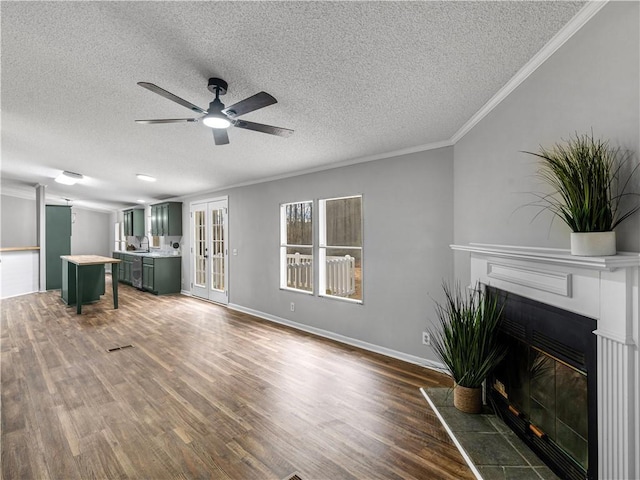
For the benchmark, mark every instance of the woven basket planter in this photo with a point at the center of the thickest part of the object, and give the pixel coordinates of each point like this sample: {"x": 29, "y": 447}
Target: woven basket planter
{"x": 468, "y": 400}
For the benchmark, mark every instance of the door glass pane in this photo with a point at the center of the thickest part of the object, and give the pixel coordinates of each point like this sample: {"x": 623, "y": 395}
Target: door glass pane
{"x": 200, "y": 245}
{"x": 217, "y": 249}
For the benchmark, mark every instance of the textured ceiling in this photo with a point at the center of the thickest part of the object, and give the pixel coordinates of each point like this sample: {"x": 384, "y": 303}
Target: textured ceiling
{"x": 353, "y": 79}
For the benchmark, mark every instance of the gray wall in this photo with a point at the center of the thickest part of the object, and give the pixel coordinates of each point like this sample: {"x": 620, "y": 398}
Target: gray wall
{"x": 18, "y": 222}
{"x": 591, "y": 82}
{"x": 408, "y": 225}
{"x": 91, "y": 232}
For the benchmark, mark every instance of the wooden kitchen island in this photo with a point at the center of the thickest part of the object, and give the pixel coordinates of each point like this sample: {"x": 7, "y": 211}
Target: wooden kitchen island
{"x": 83, "y": 279}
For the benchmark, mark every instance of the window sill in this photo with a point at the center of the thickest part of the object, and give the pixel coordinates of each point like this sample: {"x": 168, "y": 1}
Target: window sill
{"x": 296, "y": 290}
{"x": 342, "y": 299}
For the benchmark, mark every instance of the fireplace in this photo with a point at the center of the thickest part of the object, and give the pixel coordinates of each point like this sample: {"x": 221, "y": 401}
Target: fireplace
{"x": 604, "y": 290}
{"x": 546, "y": 388}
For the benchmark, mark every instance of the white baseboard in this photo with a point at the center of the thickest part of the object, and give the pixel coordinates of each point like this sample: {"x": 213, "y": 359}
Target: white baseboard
{"x": 423, "y": 362}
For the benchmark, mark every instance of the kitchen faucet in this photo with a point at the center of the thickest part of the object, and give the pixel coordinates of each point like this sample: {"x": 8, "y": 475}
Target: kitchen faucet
{"x": 143, "y": 239}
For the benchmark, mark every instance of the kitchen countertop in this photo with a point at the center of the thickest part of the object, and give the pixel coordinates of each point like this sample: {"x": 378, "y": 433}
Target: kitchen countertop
{"x": 88, "y": 259}
{"x": 18, "y": 249}
{"x": 152, "y": 254}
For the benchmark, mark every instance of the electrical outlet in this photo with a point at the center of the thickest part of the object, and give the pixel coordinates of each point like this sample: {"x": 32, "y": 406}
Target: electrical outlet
{"x": 293, "y": 307}
{"x": 426, "y": 338}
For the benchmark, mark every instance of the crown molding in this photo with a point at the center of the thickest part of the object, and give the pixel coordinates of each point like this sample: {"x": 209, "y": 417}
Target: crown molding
{"x": 322, "y": 168}
{"x": 576, "y": 23}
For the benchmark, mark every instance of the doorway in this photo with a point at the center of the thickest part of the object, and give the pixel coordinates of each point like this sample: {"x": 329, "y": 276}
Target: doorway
{"x": 210, "y": 259}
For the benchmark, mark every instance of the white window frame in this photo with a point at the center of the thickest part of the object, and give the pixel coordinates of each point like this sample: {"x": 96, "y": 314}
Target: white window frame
{"x": 284, "y": 246}
{"x": 322, "y": 249}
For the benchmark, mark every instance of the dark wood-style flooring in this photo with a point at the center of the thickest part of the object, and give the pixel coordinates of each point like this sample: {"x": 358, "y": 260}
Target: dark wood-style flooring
{"x": 205, "y": 392}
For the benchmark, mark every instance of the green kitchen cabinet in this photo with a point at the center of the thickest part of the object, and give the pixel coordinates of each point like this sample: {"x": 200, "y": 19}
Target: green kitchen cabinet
{"x": 162, "y": 275}
{"x": 120, "y": 256}
{"x": 125, "y": 268}
{"x": 57, "y": 242}
{"x": 166, "y": 219}
{"x": 124, "y": 272}
{"x": 148, "y": 272}
{"x": 92, "y": 280}
{"x": 134, "y": 222}
{"x": 127, "y": 223}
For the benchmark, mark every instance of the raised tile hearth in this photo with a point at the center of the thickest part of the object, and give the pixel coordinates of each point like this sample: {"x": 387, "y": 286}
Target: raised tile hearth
{"x": 492, "y": 449}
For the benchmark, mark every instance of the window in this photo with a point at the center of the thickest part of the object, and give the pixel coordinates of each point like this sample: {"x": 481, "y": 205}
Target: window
{"x": 296, "y": 246}
{"x": 340, "y": 252}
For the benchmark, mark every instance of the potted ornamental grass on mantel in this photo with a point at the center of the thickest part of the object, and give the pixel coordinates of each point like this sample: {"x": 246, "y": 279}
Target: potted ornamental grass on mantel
{"x": 590, "y": 184}
{"x": 467, "y": 341}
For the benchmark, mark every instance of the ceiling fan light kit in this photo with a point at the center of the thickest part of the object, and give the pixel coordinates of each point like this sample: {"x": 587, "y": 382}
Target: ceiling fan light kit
{"x": 216, "y": 121}
{"x": 218, "y": 117}
{"x": 69, "y": 178}
{"x": 146, "y": 178}
{"x": 215, "y": 118}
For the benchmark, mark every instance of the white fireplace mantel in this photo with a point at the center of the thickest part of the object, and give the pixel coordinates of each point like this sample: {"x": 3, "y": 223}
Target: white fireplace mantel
{"x": 602, "y": 288}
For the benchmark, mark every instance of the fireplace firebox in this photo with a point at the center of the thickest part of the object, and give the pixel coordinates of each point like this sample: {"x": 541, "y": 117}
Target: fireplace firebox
{"x": 546, "y": 388}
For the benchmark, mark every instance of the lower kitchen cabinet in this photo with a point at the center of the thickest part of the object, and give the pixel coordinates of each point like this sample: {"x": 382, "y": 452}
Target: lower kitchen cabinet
{"x": 124, "y": 272}
{"x": 93, "y": 284}
{"x": 127, "y": 261}
{"x": 148, "y": 268}
{"x": 162, "y": 275}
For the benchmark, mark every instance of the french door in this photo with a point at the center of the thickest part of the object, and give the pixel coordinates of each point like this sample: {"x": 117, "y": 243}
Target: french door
{"x": 210, "y": 260}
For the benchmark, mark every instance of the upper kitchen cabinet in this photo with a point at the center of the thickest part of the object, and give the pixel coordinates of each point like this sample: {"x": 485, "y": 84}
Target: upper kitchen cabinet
{"x": 166, "y": 219}
{"x": 134, "y": 222}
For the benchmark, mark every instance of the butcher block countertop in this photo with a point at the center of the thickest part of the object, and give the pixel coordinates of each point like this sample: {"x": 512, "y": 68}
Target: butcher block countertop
{"x": 18, "y": 249}
{"x": 88, "y": 259}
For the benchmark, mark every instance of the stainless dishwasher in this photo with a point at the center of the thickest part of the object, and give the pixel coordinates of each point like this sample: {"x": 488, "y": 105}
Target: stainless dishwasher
{"x": 136, "y": 272}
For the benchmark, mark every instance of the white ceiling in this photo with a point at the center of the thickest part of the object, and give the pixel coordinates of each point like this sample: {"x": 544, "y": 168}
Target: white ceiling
{"x": 355, "y": 80}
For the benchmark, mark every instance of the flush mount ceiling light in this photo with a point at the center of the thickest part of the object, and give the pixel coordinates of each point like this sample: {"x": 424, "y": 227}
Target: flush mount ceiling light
{"x": 141, "y": 201}
{"x": 146, "y": 178}
{"x": 69, "y": 178}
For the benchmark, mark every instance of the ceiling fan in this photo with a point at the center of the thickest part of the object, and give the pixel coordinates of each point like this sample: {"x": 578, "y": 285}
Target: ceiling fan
{"x": 219, "y": 118}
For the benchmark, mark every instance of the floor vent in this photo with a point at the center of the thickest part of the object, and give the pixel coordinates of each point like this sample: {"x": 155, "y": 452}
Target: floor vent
{"x": 115, "y": 349}
{"x": 293, "y": 476}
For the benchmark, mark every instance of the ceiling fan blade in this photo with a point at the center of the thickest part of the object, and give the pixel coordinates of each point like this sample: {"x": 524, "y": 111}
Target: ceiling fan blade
{"x": 259, "y": 127}
{"x": 170, "y": 96}
{"x": 220, "y": 136}
{"x": 169, "y": 120}
{"x": 259, "y": 100}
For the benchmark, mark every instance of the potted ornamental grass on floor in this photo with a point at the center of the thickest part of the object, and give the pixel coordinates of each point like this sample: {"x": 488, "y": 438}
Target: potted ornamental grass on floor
{"x": 591, "y": 184}
{"x": 467, "y": 341}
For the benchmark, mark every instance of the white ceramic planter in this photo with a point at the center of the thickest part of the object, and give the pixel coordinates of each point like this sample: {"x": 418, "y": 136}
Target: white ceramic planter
{"x": 593, "y": 244}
